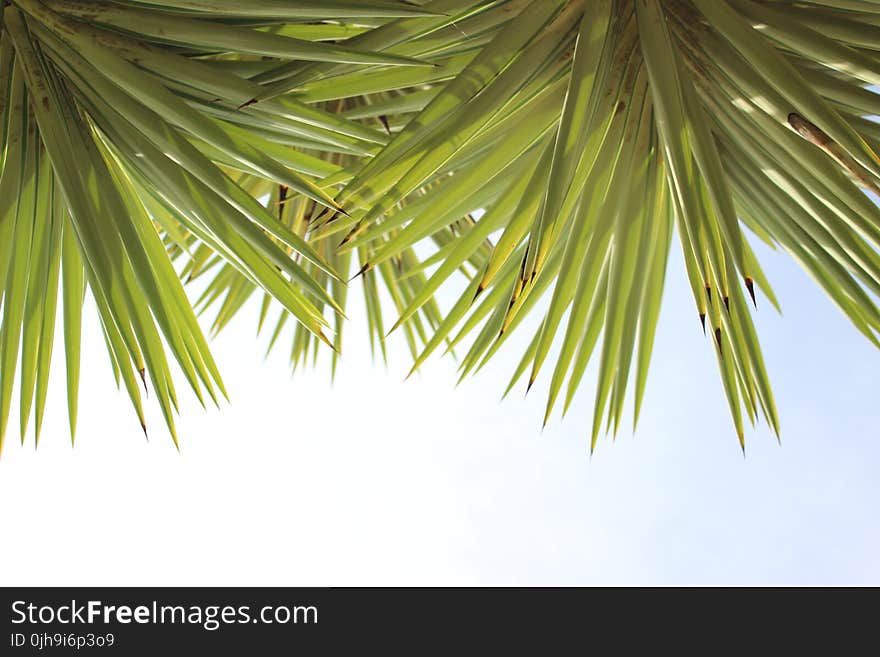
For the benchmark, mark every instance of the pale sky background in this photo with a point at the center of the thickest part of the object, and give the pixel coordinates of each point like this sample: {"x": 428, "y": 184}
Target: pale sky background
{"x": 373, "y": 481}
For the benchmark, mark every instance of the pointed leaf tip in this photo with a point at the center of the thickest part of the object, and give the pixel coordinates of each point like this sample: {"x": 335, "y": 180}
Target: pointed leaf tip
{"x": 363, "y": 270}
{"x": 143, "y": 373}
{"x": 703, "y": 322}
{"x": 348, "y": 238}
{"x": 750, "y": 286}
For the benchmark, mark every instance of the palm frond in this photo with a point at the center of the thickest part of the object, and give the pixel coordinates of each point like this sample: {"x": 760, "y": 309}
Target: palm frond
{"x": 644, "y": 119}
{"x": 527, "y": 150}
{"x": 125, "y": 125}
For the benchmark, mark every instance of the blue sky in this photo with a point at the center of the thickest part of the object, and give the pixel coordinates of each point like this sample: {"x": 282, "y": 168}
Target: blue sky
{"x": 373, "y": 481}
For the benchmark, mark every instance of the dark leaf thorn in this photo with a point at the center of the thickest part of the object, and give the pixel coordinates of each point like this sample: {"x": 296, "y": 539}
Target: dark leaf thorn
{"x": 363, "y": 270}
{"x": 750, "y": 286}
